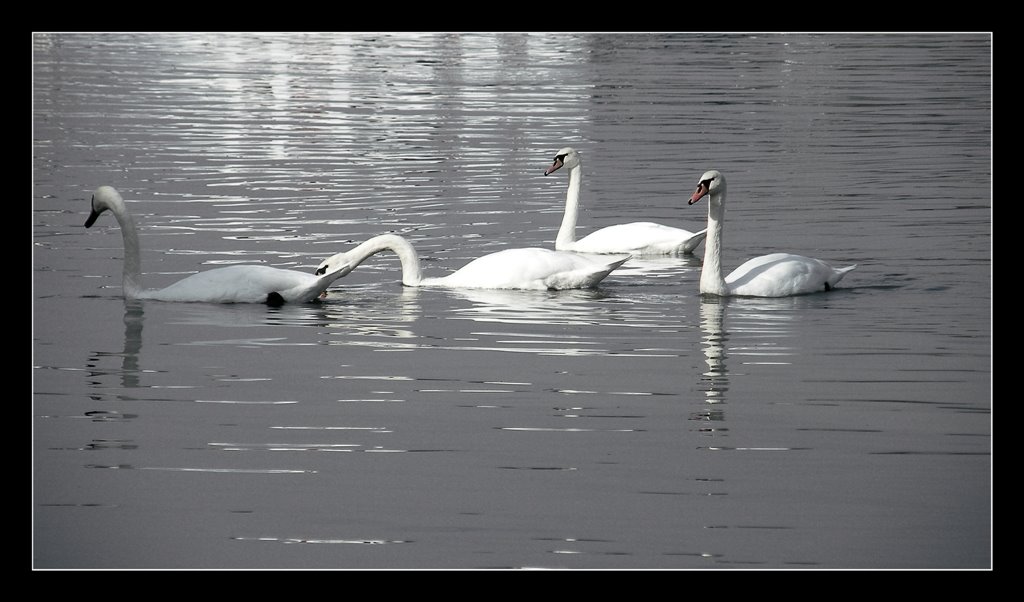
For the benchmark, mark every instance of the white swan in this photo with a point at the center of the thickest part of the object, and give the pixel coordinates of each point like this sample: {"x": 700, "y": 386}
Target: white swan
{"x": 533, "y": 269}
{"x": 774, "y": 275}
{"x": 637, "y": 238}
{"x": 230, "y": 284}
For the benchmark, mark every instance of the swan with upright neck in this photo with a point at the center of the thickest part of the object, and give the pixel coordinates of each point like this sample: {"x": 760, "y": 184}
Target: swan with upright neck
{"x": 530, "y": 269}
{"x": 637, "y": 238}
{"x": 773, "y": 275}
{"x": 229, "y": 284}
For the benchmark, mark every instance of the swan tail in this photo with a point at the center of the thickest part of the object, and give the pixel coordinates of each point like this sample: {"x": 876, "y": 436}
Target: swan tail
{"x": 309, "y": 292}
{"x": 692, "y": 242}
{"x": 837, "y": 275}
{"x": 583, "y": 278}
{"x": 598, "y": 276}
{"x": 840, "y": 272}
{"x": 618, "y": 263}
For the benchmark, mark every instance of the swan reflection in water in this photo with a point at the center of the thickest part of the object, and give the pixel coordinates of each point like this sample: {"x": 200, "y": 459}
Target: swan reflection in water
{"x": 642, "y": 271}
{"x": 715, "y": 381}
{"x": 566, "y": 323}
{"x": 361, "y": 315}
{"x": 129, "y": 372}
{"x": 452, "y": 318}
{"x": 572, "y": 307}
{"x": 756, "y": 325}
{"x": 366, "y": 315}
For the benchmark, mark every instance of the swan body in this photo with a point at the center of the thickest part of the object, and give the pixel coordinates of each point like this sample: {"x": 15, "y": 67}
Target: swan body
{"x": 637, "y": 238}
{"x": 532, "y": 269}
{"x": 230, "y": 284}
{"x": 773, "y": 275}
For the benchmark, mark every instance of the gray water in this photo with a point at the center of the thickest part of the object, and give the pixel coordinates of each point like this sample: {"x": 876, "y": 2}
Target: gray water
{"x": 636, "y": 425}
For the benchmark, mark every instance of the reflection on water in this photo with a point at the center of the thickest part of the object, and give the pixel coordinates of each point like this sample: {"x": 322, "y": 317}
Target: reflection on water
{"x": 760, "y": 328}
{"x": 768, "y": 325}
{"x": 641, "y": 271}
{"x": 569, "y": 322}
{"x": 715, "y": 342}
{"x": 573, "y": 307}
{"x": 134, "y": 319}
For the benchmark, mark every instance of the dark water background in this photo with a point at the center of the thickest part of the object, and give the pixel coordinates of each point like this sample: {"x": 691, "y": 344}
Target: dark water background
{"x": 632, "y": 426}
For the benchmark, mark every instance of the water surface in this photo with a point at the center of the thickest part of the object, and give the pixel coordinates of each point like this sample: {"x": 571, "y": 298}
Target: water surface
{"x": 636, "y": 425}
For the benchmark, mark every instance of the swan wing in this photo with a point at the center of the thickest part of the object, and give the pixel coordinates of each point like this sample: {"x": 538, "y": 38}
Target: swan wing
{"x": 783, "y": 274}
{"x": 242, "y": 284}
{"x": 640, "y": 238}
{"x": 538, "y": 269}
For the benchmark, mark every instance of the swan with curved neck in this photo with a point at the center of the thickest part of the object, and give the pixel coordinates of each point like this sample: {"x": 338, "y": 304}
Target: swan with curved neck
{"x": 637, "y": 238}
{"x": 230, "y": 284}
{"x": 532, "y": 269}
{"x": 773, "y": 275}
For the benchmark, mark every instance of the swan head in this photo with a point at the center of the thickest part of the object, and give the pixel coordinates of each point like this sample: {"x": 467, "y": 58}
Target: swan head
{"x": 105, "y": 197}
{"x": 339, "y": 262}
{"x": 566, "y": 157}
{"x": 712, "y": 182}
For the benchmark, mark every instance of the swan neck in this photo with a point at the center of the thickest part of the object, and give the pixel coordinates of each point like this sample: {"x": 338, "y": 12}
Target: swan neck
{"x": 711, "y": 279}
{"x": 411, "y": 274}
{"x": 567, "y": 232}
{"x": 131, "y": 280}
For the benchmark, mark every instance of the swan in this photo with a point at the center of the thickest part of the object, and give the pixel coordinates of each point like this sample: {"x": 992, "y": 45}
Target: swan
{"x": 637, "y": 238}
{"x": 773, "y": 275}
{"x": 532, "y": 269}
{"x": 230, "y": 284}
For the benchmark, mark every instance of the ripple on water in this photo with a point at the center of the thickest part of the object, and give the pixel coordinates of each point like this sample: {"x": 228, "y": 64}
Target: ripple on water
{"x": 323, "y": 541}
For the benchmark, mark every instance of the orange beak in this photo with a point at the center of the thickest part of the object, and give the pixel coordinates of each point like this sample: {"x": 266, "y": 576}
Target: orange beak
{"x": 702, "y": 189}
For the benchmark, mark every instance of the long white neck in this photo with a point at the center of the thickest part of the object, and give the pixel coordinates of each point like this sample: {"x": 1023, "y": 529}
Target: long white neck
{"x": 567, "y": 232}
{"x": 132, "y": 278}
{"x": 411, "y": 275}
{"x": 711, "y": 279}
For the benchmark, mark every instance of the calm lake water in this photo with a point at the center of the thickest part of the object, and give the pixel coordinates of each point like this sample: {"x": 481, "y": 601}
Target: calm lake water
{"x": 635, "y": 425}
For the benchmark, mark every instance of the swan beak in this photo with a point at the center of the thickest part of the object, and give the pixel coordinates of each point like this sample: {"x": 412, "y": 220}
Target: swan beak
{"x": 92, "y": 218}
{"x": 554, "y": 166}
{"x": 702, "y": 189}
